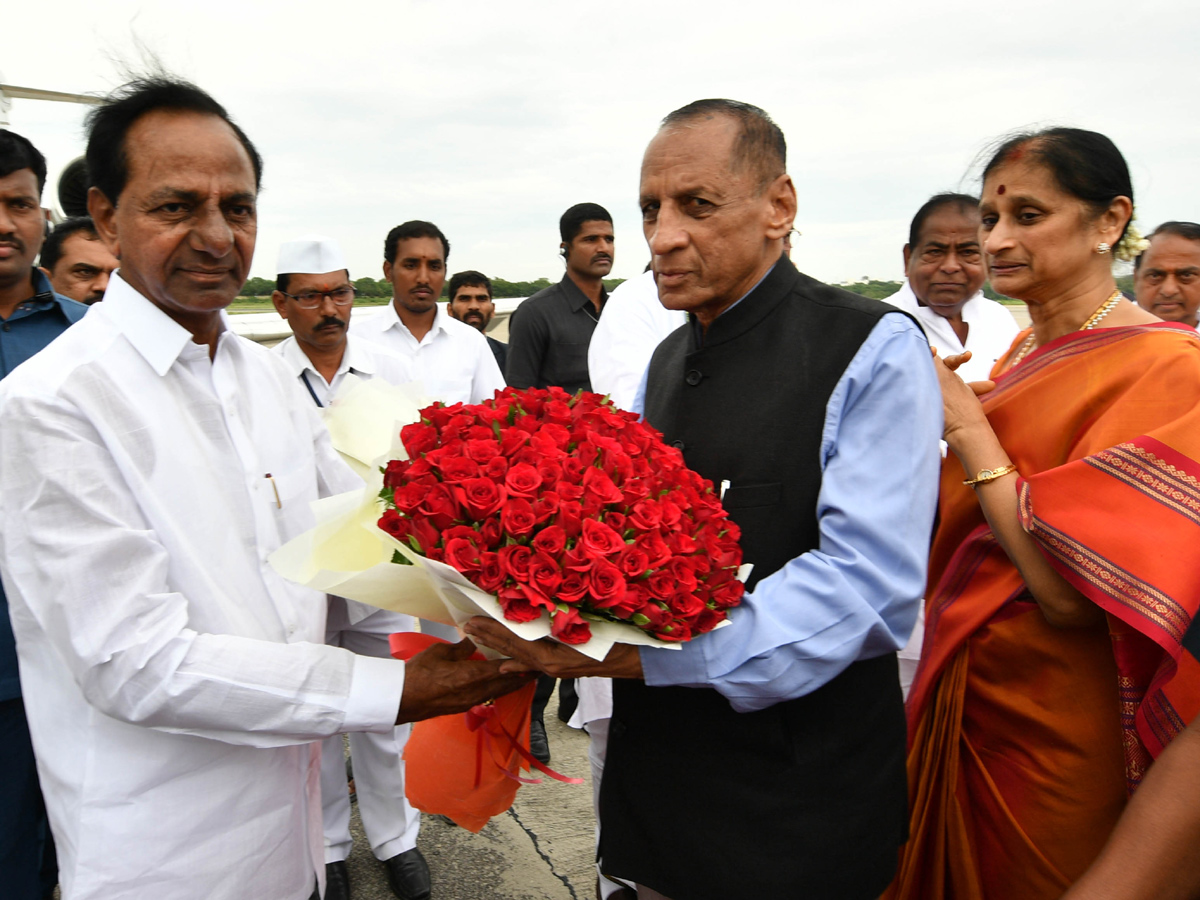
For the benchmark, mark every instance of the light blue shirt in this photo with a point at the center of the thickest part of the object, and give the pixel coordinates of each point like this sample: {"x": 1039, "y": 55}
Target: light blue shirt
{"x": 855, "y": 596}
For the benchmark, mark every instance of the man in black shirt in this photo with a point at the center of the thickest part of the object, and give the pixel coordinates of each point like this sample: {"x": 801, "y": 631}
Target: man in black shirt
{"x": 471, "y": 303}
{"x": 549, "y": 333}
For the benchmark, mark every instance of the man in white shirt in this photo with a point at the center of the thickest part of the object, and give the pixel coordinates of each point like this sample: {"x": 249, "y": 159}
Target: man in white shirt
{"x": 451, "y": 358}
{"x": 945, "y": 272}
{"x": 633, "y": 324}
{"x": 315, "y": 295}
{"x": 1166, "y": 274}
{"x": 150, "y": 463}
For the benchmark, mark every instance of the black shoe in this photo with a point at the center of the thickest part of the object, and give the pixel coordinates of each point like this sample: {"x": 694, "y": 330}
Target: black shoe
{"x": 337, "y": 881}
{"x": 568, "y": 699}
{"x": 408, "y": 875}
{"x": 539, "y": 747}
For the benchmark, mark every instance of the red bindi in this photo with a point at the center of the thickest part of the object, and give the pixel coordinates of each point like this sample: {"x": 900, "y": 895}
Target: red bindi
{"x": 1000, "y": 190}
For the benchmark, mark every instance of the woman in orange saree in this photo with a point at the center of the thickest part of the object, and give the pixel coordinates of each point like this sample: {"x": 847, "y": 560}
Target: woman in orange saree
{"x": 1063, "y": 580}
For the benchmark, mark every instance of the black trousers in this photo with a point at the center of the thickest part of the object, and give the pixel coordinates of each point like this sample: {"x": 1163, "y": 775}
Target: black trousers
{"x": 27, "y": 865}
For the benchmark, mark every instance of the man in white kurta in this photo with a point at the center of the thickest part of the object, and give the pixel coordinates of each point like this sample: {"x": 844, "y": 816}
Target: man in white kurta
{"x": 449, "y": 357}
{"x": 992, "y": 329}
{"x": 942, "y": 290}
{"x": 321, "y": 356}
{"x": 175, "y": 682}
{"x": 633, "y": 324}
{"x": 150, "y": 463}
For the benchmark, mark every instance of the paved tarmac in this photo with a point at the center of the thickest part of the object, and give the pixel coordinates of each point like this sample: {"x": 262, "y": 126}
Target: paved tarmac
{"x": 542, "y": 849}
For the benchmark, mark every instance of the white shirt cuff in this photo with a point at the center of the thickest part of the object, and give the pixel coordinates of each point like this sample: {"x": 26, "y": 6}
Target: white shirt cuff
{"x": 375, "y": 691}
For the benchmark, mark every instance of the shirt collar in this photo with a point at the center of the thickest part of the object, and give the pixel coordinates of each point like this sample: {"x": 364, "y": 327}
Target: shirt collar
{"x": 577, "y": 299}
{"x": 44, "y": 295}
{"x": 907, "y": 300}
{"x": 439, "y": 318}
{"x": 155, "y": 335}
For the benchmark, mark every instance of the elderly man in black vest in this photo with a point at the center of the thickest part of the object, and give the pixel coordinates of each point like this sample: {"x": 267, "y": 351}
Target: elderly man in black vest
{"x": 766, "y": 759}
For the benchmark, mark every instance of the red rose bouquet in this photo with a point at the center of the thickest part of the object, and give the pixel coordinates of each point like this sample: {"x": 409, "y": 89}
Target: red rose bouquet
{"x": 565, "y": 507}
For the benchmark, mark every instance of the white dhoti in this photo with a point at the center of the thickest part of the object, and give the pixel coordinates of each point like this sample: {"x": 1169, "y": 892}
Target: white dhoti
{"x": 389, "y": 820}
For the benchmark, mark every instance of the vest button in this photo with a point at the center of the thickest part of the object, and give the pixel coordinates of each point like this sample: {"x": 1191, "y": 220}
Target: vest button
{"x": 693, "y": 377}
{"x": 6, "y": 326}
{"x": 678, "y": 445}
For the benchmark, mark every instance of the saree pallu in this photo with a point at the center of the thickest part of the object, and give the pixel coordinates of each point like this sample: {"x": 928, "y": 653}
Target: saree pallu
{"x": 1025, "y": 739}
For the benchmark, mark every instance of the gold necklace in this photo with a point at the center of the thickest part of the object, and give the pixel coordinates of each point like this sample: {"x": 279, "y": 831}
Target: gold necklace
{"x": 1093, "y": 320}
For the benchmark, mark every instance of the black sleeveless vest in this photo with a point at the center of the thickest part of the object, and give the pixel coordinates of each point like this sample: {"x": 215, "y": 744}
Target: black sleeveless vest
{"x": 807, "y": 798}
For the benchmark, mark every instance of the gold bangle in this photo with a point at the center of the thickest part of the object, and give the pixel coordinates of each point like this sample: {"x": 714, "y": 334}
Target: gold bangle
{"x": 986, "y": 475}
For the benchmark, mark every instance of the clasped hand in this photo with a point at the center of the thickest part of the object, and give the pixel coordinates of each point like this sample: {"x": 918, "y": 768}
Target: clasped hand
{"x": 443, "y": 679}
{"x": 551, "y": 657}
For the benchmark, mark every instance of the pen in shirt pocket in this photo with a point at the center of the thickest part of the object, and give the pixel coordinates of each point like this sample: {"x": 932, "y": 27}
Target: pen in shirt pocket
{"x": 275, "y": 488}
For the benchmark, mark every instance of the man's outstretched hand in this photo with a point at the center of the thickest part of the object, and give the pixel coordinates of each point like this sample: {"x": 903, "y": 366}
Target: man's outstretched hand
{"x": 443, "y": 679}
{"x": 551, "y": 657}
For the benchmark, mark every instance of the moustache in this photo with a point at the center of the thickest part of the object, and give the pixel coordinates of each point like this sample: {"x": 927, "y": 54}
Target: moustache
{"x": 331, "y": 320}
{"x": 11, "y": 240}
{"x": 600, "y": 256}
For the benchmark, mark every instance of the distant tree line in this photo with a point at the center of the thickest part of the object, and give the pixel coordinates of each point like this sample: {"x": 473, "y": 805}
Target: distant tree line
{"x": 379, "y": 288}
{"x": 880, "y": 290}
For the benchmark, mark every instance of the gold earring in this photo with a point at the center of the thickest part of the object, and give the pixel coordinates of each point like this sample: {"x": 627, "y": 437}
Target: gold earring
{"x": 1102, "y": 248}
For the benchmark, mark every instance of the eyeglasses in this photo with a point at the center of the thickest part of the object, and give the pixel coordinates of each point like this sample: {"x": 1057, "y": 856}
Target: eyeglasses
{"x": 342, "y": 296}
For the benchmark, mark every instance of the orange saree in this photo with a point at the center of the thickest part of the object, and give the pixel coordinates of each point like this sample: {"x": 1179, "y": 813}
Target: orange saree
{"x": 1025, "y": 739}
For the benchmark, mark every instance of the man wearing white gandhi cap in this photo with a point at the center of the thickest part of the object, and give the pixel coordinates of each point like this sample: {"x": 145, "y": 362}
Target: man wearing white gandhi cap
{"x": 315, "y": 295}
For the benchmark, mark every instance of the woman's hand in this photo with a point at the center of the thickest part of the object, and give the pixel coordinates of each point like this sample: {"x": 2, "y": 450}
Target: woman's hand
{"x": 960, "y": 401}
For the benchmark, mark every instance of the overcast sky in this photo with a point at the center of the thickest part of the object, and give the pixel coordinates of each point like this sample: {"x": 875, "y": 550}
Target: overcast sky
{"x": 491, "y": 118}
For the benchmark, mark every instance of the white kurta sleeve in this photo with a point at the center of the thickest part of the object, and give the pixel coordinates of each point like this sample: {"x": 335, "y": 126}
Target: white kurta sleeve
{"x": 86, "y": 573}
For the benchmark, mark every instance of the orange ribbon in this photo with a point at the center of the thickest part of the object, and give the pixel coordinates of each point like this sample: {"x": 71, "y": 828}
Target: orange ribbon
{"x": 407, "y": 644}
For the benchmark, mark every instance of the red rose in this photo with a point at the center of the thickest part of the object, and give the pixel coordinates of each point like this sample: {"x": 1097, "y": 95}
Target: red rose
{"x": 655, "y": 616}
{"x": 462, "y": 555}
{"x": 516, "y": 606}
{"x": 676, "y": 630}
{"x": 490, "y": 533}
{"x": 393, "y": 475}
{"x": 459, "y": 468}
{"x": 683, "y": 603}
{"x": 573, "y": 587}
{"x": 517, "y": 517}
{"x": 599, "y": 485}
{"x": 569, "y": 627}
{"x": 482, "y": 451}
{"x": 545, "y": 506}
{"x": 576, "y": 560}
{"x": 480, "y": 496}
{"x": 523, "y": 480}
{"x": 410, "y": 496}
{"x": 418, "y": 438}
{"x": 395, "y": 524}
{"x": 551, "y": 540}
{"x": 655, "y": 548}
{"x": 490, "y": 575}
{"x": 708, "y": 620}
{"x": 598, "y": 539}
{"x": 551, "y": 473}
{"x": 633, "y": 562}
{"x": 514, "y": 560}
{"x": 422, "y": 536}
{"x": 646, "y": 515}
{"x": 661, "y": 584}
{"x": 606, "y": 583}
{"x": 512, "y": 440}
{"x": 684, "y": 575}
{"x": 615, "y": 521}
{"x": 496, "y": 468}
{"x": 544, "y": 573}
{"x": 440, "y": 507}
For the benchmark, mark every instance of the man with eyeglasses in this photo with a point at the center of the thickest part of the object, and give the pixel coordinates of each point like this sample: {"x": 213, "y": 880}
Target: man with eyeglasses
{"x": 314, "y": 293}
